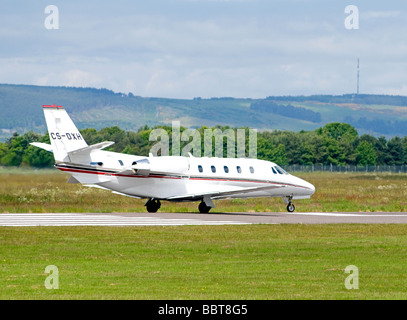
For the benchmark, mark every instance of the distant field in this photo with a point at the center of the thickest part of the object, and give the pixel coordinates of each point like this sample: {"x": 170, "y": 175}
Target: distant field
{"x": 26, "y": 190}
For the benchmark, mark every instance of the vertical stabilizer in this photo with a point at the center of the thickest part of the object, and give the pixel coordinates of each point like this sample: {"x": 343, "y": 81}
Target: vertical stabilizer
{"x": 64, "y": 135}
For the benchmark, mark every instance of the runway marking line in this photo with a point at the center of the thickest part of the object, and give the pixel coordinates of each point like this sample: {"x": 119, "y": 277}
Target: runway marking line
{"x": 336, "y": 214}
{"x": 76, "y": 219}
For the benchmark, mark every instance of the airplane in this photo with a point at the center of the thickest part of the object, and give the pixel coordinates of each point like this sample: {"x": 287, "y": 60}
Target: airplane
{"x": 165, "y": 178}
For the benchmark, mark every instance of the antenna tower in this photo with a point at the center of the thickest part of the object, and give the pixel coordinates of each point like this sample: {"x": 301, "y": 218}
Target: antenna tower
{"x": 357, "y": 89}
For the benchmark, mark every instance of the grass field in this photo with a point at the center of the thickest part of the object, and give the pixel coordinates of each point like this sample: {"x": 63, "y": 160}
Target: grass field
{"x": 203, "y": 262}
{"x": 47, "y": 191}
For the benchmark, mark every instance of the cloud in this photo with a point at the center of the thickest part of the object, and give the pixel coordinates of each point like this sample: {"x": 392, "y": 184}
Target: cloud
{"x": 204, "y": 48}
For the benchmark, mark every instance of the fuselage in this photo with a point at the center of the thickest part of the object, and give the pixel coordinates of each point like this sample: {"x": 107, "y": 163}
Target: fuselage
{"x": 179, "y": 178}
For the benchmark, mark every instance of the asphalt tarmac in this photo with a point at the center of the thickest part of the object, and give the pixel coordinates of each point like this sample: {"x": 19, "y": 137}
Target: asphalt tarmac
{"x": 214, "y": 218}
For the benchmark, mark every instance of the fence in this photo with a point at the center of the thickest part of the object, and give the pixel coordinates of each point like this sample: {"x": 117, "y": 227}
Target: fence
{"x": 347, "y": 168}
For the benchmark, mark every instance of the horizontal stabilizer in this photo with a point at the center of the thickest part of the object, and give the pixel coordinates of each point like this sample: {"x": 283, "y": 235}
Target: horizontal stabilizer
{"x": 41, "y": 145}
{"x": 88, "y": 149}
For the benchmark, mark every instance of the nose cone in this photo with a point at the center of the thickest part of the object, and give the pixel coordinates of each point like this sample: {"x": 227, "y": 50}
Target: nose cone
{"x": 310, "y": 187}
{"x": 306, "y": 188}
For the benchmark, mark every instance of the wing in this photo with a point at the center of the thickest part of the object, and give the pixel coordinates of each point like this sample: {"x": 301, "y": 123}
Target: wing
{"x": 115, "y": 192}
{"x": 225, "y": 194}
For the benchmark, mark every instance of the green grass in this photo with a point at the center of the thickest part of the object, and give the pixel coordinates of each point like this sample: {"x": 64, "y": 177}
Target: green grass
{"x": 205, "y": 262}
{"x": 24, "y": 190}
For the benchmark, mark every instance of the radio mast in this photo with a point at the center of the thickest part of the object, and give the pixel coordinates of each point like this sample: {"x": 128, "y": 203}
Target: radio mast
{"x": 357, "y": 89}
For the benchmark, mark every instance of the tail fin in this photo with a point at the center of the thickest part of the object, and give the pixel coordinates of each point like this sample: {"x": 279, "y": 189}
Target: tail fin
{"x": 64, "y": 135}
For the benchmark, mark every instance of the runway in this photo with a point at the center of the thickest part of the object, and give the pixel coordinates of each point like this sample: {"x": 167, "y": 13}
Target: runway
{"x": 178, "y": 219}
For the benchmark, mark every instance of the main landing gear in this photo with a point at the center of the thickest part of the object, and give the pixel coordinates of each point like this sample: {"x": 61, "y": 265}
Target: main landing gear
{"x": 206, "y": 205}
{"x": 153, "y": 205}
{"x": 203, "y": 208}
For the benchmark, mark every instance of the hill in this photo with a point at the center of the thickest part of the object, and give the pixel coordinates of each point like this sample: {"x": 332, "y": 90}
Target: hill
{"x": 20, "y": 106}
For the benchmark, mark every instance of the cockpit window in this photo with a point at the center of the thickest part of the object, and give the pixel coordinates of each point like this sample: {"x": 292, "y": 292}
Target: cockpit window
{"x": 274, "y": 170}
{"x": 280, "y": 170}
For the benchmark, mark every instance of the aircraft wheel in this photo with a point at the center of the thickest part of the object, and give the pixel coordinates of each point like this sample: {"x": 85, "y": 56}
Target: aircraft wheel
{"x": 153, "y": 205}
{"x": 203, "y": 208}
{"x": 290, "y": 207}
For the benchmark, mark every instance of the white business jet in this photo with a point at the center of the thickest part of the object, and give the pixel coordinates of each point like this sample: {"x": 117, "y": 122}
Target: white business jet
{"x": 170, "y": 178}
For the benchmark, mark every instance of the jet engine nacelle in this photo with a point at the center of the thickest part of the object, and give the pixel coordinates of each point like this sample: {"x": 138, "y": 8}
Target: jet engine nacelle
{"x": 165, "y": 164}
{"x": 169, "y": 164}
{"x": 141, "y": 167}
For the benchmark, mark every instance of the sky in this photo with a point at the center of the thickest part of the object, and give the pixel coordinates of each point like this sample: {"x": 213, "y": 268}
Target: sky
{"x": 207, "y": 48}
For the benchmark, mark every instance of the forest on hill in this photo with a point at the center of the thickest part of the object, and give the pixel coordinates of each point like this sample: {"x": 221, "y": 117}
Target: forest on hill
{"x": 376, "y": 115}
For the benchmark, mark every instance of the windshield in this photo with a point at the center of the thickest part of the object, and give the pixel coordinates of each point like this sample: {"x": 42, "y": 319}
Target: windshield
{"x": 279, "y": 170}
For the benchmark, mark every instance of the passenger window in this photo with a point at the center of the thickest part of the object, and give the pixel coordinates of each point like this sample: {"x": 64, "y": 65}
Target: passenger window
{"x": 226, "y": 169}
{"x": 121, "y": 162}
{"x": 251, "y": 170}
{"x": 274, "y": 170}
{"x": 200, "y": 169}
{"x": 213, "y": 169}
{"x": 239, "y": 170}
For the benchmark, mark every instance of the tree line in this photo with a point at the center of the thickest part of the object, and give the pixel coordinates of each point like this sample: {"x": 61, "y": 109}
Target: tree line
{"x": 335, "y": 143}
{"x": 384, "y": 126}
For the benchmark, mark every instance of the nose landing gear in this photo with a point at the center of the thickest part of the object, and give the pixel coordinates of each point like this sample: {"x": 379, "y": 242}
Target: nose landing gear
{"x": 290, "y": 205}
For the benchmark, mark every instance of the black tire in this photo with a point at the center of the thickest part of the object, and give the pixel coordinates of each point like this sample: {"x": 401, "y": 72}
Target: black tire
{"x": 290, "y": 207}
{"x": 203, "y": 208}
{"x": 153, "y": 206}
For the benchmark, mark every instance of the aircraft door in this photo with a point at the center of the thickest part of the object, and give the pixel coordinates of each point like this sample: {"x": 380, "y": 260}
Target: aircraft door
{"x": 188, "y": 173}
